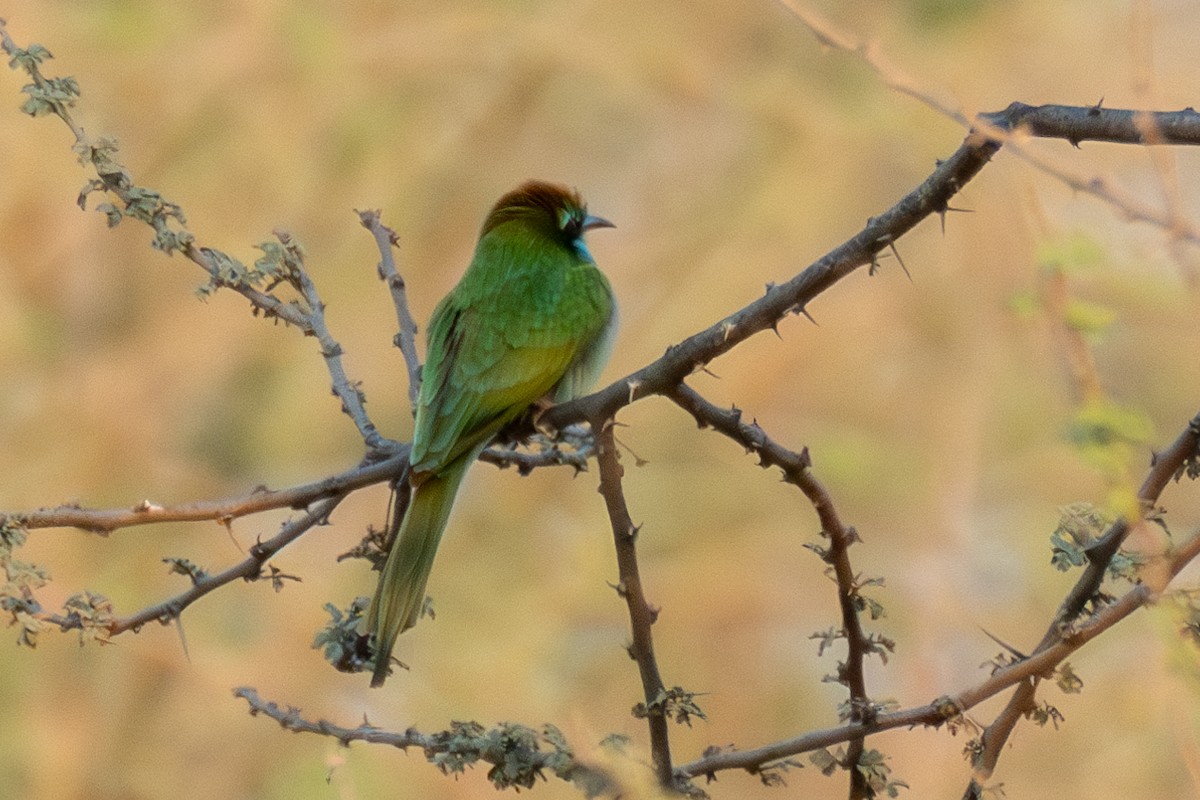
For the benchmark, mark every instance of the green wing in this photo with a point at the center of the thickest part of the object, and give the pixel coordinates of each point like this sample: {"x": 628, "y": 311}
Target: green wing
{"x": 501, "y": 340}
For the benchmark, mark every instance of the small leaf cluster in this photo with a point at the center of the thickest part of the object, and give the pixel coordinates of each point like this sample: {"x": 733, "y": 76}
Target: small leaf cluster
{"x": 92, "y": 614}
{"x": 1191, "y": 465}
{"x": 675, "y": 703}
{"x": 21, "y": 579}
{"x": 1079, "y": 525}
{"x": 1188, "y": 604}
{"x": 372, "y": 548}
{"x": 1045, "y": 713}
{"x": 182, "y": 566}
{"x": 44, "y": 95}
{"x": 872, "y": 765}
{"x": 1067, "y": 680}
{"x": 340, "y": 640}
{"x": 864, "y": 711}
{"x": 1105, "y": 433}
{"x": 515, "y": 752}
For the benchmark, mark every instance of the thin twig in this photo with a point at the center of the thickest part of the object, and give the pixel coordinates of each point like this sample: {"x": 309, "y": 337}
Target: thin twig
{"x": 248, "y": 569}
{"x": 350, "y": 393}
{"x": 406, "y": 335}
{"x": 165, "y": 218}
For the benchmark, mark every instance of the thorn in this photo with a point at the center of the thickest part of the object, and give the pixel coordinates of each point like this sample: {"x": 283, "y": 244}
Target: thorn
{"x": 1094, "y": 111}
{"x": 1004, "y": 644}
{"x": 619, "y": 588}
{"x": 805, "y": 458}
{"x": 654, "y": 612}
{"x": 775, "y": 328}
{"x": 770, "y": 286}
{"x": 633, "y": 387}
{"x": 182, "y": 638}
{"x": 900, "y": 261}
{"x": 803, "y": 311}
{"x": 704, "y": 368}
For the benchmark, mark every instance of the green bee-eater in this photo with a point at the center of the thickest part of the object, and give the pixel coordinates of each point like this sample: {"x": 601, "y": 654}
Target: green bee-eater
{"x": 531, "y": 320}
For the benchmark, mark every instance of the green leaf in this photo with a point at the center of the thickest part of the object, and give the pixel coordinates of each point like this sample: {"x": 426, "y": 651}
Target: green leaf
{"x": 113, "y": 213}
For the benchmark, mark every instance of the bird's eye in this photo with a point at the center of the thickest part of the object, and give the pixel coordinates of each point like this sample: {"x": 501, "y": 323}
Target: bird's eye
{"x": 570, "y": 222}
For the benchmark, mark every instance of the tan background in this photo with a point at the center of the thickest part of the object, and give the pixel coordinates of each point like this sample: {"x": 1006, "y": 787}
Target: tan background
{"x": 731, "y": 150}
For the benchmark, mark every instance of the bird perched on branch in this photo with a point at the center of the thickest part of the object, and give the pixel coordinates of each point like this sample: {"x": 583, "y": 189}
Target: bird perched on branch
{"x": 531, "y": 320}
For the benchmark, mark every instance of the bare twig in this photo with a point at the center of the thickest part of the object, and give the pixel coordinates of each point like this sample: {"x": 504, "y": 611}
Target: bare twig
{"x": 526, "y": 461}
{"x": 406, "y": 335}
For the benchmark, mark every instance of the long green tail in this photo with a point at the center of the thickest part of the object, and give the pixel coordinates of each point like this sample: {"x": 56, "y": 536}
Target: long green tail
{"x": 401, "y": 592}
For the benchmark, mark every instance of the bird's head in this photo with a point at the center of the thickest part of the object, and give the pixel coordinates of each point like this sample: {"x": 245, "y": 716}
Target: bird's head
{"x": 549, "y": 209}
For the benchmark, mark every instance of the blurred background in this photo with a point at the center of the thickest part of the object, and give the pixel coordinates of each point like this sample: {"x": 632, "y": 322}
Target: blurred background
{"x": 731, "y": 150}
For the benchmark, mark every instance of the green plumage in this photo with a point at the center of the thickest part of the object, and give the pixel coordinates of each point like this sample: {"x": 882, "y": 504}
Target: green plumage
{"x": 532, "y": 318}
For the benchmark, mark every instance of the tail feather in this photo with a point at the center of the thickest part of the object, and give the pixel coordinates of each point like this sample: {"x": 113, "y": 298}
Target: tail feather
{"x": 401, "y": 591}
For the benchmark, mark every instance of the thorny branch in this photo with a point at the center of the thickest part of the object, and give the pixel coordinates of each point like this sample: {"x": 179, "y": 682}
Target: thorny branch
{"x": 797, "y": 470}
{"x": 1165, "y": 466}
{"x": 948, "y": 707}
{"x": 641, "y": 615}
{"x": 1074, "y": 124}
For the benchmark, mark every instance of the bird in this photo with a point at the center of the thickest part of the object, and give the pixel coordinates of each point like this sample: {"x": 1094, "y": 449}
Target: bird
{"x": 530, "y": 323}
